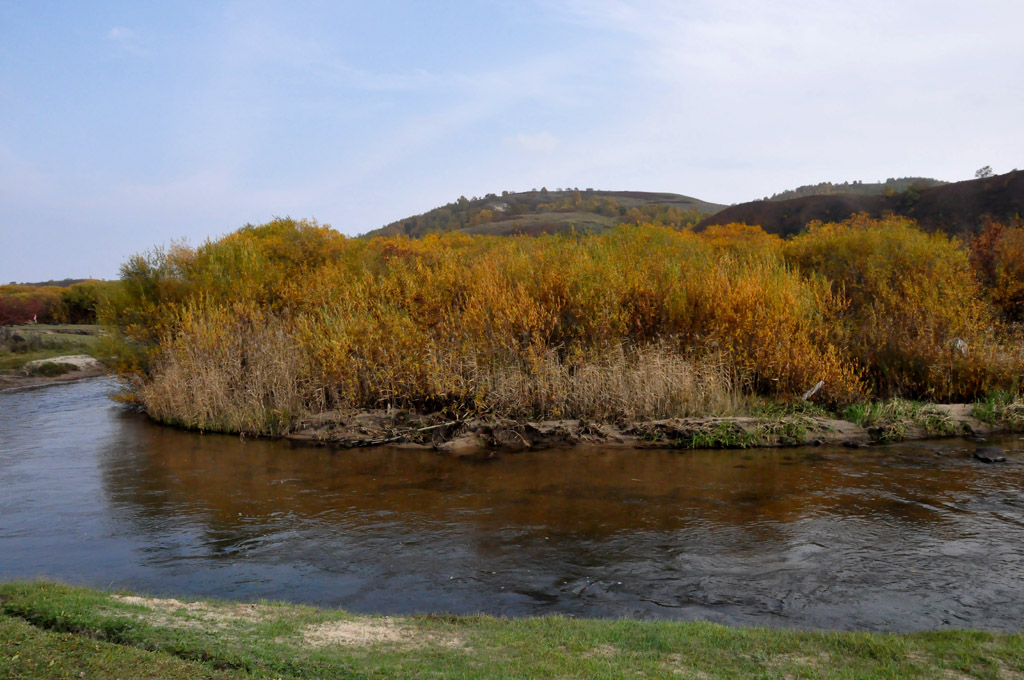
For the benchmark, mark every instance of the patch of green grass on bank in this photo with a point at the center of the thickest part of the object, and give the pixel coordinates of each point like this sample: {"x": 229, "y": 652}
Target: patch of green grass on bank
{"x": 29, "y": 652}
{"x": 49, "y": 630}
{"x": 889, "y": 421}
{"x": 770, "y": 408}
{"x": 1001, "y": 409}
{"x": 12, "y": 360}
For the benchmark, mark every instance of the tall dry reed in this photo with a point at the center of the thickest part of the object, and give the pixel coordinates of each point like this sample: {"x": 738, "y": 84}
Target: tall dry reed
{"x": 641, "y": 383}
{"x": 230, "y": 370}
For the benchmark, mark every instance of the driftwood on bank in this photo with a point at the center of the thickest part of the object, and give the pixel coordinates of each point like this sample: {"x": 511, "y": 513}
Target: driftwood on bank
{"x": 404, "y": 428}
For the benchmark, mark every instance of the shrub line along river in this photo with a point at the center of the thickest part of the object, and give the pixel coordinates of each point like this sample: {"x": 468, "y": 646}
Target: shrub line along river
{"x": 905, "y": 537}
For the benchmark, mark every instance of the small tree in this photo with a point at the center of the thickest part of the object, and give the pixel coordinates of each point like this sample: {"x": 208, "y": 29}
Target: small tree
{"x": 984, "y": 172}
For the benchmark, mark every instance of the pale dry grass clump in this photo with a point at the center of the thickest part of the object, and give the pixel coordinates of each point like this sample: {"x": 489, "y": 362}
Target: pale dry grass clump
{"x": 180, "y": 614}
{"x": 248, "y": 373}
{"x": 371, "y": 631}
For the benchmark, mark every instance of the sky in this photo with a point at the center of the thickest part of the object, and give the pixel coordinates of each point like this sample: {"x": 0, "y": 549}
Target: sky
{"x": 129, "y": 125}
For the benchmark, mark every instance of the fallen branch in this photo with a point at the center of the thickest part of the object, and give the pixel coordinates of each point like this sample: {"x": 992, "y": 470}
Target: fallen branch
{"x": 390, "y": 440}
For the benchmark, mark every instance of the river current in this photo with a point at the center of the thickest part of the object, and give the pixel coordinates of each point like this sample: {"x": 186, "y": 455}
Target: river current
{"x": 906, "y": 537}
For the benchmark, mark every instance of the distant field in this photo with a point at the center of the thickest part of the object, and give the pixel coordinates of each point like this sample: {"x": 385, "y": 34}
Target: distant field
{"x": 544, "y": 223}
{"x": 44, "y": 341}
{"x": 65, "y": 329}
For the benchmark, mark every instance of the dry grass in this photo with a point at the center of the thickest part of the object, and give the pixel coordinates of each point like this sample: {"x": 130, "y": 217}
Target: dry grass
{"x": 231, "y": 373}
{"x": 621, "y": 384}
{"x": 251, "y": 376}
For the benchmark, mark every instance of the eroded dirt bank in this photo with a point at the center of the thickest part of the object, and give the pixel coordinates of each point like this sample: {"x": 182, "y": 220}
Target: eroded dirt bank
{"x": 74, "y": 367}
{"x": 404, "y": 428}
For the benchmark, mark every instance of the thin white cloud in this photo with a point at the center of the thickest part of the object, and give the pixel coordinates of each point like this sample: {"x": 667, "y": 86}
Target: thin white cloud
{"x": 542, "y": 142}
{"x": 125, "y": 40}
{"x": 120, "y": 33}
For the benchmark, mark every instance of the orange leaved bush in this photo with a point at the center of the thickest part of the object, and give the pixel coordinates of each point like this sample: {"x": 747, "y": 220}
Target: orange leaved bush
{"x": 249, "y": 331}
{"x": 917, "y": 319}
{"x": 998, "y": 254}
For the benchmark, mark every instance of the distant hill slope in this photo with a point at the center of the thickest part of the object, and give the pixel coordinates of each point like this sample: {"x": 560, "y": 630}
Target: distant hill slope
{"x": 891, "y": 185}
{"x": 538, "y": 212}
{"x": 957, "y": 208}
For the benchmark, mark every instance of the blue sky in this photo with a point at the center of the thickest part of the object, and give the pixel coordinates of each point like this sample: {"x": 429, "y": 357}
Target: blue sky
{"x": 125, "y": 125}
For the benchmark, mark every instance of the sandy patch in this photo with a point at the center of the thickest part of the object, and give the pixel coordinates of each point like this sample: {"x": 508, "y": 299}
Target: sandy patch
{"x": 950, "y": 674}
{"x": 1007, "y": 672}
{"x": 82, "y": 362}
{"x": 602, "y": 652}
{"x": 676, "y": 665}
{"x": 819, "y": 663}
{"x": 19, "y": 378}
{"x": 367, "y": 632}
{"x": 199, "y": 613}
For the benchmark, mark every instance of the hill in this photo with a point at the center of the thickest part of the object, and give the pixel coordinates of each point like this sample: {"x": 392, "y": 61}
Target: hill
{"x": 958, "y": 208}
{"x": 543, "y": 211}
{"x": 61, "y": 283}
{"x": 891, "y": 185}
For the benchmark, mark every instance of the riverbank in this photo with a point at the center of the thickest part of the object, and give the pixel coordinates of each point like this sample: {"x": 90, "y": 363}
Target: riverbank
{"x": 51, "y": 370}
{"x": 874, "y": 423}
{"x": 42, "y": 354}
{"x": 776, "y": 425}
{"x": 49, "y": 630}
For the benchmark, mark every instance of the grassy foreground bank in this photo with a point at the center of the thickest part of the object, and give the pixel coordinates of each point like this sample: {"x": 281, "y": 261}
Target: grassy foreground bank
{"x": 55, "y": 631}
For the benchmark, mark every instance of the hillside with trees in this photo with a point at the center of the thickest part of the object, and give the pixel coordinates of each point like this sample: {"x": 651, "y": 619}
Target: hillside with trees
{"x": 893, "y": 185}
{"x": 961, "y": 208}
{"x": 558, "y": 211}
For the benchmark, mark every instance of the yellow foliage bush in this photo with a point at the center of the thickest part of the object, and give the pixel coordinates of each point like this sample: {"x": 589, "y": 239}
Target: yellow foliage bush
{"x": 917, "y": 319}
{"x": 742, "y": 239}
{"x": 998, "y": 254}
{"x": 645, "y": 321}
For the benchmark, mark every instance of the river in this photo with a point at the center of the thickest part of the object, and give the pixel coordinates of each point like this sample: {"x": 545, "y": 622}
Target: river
{"x": 899, "y": 538}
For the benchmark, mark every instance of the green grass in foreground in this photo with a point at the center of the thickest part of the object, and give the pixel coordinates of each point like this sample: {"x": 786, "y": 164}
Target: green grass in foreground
{"x": 54, "y": 631}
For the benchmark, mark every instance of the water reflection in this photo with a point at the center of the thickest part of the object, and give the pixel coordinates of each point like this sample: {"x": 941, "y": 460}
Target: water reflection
{"x": 898, "y": 538}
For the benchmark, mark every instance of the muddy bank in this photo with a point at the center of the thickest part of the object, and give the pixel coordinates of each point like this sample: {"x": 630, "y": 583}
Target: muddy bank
{"x": 34, "y": 373}
{"x": 404, "y": 428}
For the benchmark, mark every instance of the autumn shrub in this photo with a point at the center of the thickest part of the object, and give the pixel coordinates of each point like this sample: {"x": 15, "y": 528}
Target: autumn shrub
{"x": 21, "y": 303}
{"x": 998, "y": 255}
{"x": 642, "y": 322}
{"x": 742, "y": 239}
{"x": 917, "y": 319}
{"x": 616, "y": 385}
{"x": 79, "y": 302}
{"x": 250, "y": 331}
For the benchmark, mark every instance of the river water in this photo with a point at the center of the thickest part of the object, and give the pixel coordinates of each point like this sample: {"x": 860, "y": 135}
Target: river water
{"x": 899, "y": 538}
